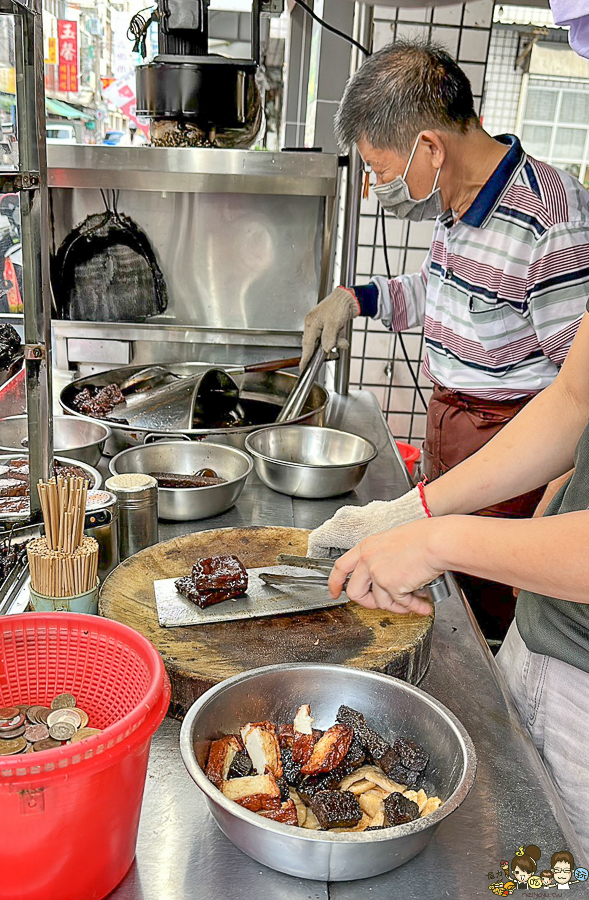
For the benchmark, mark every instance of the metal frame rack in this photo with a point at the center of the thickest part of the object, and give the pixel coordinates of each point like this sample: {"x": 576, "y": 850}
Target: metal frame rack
{"x": 30, "y": 181}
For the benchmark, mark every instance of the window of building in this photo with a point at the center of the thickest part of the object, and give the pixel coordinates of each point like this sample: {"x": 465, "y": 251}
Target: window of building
{"x": 554, "y": 123}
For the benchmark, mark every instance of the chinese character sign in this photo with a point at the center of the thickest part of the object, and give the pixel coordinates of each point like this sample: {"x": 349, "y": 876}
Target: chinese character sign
{"x": 67, "y": 33}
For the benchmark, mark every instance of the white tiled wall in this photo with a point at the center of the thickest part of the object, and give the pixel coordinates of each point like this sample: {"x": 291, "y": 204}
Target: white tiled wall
{"x": 378, "y": 362}
{"x": 503, "y": 81}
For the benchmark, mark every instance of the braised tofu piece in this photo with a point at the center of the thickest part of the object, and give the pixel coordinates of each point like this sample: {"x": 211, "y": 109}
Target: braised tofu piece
{"x": 261, "y": 744}
{"x": 286, "y": 814}
{"x": 303, "y": 738}
{"x": 369, "y": 739}
{"x": 399, "y": 809}
{"x": 285, "y": 735}
{"x": 221, "y": 756}
{"x": 253, "y": 792}
{"x": 329, "y": 750}
{"x": 241, "y": 765}
{"x": 336, "y": 809}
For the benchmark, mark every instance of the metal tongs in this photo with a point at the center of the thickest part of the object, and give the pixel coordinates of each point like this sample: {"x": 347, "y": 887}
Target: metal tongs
{"x": 438, "y": 588}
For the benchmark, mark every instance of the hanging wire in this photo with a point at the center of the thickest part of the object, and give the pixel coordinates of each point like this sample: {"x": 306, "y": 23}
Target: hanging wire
{"x": 332, "y": 28}
{"x": 138, "y": 28}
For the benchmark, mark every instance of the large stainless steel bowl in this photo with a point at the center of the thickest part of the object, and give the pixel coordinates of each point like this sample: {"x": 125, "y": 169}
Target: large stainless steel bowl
{"x": 94, "y": 478}
{"x": 393, "y": 707}
{"x": 81, "y": 439}
{"x": 186, "y": 458}
{"x": 268, "y": 389}
{"x": 306, "y": 461}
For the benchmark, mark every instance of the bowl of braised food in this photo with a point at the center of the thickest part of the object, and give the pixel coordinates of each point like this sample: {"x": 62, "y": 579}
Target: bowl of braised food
{"x": 326, "y": 772}
{"x": 196, "y": 479}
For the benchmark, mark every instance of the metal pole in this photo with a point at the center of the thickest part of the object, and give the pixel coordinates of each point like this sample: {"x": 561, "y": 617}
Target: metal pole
{"x": 363, "y": 33}
{"x": 34, "y": 206}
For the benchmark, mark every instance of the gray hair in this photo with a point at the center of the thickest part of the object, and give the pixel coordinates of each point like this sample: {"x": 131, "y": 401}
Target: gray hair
{"x": 406, "y": 88}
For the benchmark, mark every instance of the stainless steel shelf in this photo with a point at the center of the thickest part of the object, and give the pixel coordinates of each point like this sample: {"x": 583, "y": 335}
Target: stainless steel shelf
{"x": 193, "y": 171}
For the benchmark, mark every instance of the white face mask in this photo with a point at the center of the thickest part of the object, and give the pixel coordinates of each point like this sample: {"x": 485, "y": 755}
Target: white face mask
{"x": 396, "y": 198}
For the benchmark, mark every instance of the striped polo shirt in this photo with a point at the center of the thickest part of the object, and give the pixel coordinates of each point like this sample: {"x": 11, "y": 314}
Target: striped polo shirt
{"x": 503, "y": 289}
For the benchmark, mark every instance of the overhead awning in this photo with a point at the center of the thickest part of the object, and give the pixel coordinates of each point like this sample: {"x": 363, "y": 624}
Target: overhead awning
{"x": 59, "y": 108}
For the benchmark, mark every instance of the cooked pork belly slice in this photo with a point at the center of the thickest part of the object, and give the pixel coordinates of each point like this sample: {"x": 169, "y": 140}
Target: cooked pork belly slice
{"x": 221, "y": 755}
{"x": 329, "y": 750}
{"x": 261, "y": 743}
{"x": 254, "y": 792}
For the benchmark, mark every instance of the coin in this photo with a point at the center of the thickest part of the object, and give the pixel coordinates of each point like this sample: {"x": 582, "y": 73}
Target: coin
{"x": 62, "y": 731}
{"x": 83, "y": 716}
{"x": 7, "y": 748}
{"x": 13, "y": 733}
{"x": 63, "y": 701}
{"x": 47, "y": 744}
{"x": 36, "y": 733}
{"x": 9, "y": 724}
{"x": 84, "y": 733}
{"x": 43, "y": 715}
{"x": 8, "y": 712}
{"x": 70, "y": 716}
{"x": 32, "y": 713}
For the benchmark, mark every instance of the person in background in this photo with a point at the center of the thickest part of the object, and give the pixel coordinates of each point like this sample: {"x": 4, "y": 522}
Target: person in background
{"x": 133, "y": 138}
{"x": 501, "y": 292}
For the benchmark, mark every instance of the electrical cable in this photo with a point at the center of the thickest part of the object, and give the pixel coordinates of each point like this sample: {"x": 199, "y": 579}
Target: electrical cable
{"x": 351, "y": 40}
{"x": 332, "y": 28}
{"x": 399, "y": 335}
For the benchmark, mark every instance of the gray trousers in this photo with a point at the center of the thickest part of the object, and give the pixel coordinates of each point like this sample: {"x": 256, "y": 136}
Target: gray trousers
{"x": 552, "y": 699}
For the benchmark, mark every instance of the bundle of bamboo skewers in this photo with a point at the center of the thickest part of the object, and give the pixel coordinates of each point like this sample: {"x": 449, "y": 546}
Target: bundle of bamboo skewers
{"x": 64, "y": 563}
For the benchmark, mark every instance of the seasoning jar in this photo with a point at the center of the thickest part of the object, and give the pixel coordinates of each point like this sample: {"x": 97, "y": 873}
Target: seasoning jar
{"x": 137, "y": 507}
{"x": 102, "y": 523}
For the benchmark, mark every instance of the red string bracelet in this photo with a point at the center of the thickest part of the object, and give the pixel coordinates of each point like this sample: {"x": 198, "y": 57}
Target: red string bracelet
{"x": 420, "y": 488}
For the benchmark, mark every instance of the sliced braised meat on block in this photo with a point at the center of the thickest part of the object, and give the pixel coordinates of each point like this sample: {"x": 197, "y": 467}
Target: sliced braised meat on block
{"x": 254, "y": 792}
{"x": 329, "y": 750}
{"x": 261, "y": 743}
{"x": 214, "y": 580}
{"x": 221, "y": 756}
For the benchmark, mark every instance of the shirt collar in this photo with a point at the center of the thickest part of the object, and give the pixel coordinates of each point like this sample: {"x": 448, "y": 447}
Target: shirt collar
{"x": 489, "y": 196}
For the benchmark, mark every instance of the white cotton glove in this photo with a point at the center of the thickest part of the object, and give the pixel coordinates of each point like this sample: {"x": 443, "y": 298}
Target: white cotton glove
{"x": 351, "y": 524}
{"x": 325, "y": 322}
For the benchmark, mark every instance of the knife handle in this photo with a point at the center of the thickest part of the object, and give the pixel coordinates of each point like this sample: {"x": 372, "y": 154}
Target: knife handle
{"x": 439, "y": 589}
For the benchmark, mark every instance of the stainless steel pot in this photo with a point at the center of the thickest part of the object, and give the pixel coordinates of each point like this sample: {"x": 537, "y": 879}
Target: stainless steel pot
{"x": 186, "y": 458}
{"x": 310, "y": 462}
{"x": 393, "y": 707}
{"x": 259, "y": 387}
{"x": 94, "y": 477}
{"x": 74, "y": 438}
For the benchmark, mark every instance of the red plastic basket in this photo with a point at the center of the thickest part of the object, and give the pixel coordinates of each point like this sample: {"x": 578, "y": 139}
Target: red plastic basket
{"x": 409, "y": 454}
{"x": 70, "y": 816}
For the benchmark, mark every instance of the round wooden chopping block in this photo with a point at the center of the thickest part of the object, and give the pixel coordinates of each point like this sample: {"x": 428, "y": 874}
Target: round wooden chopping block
{"x": 198, "y": 657}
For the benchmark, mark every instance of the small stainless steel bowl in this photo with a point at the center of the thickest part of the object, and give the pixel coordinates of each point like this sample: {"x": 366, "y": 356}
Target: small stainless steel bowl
{"x": 186, "y": 458}
{"x": 309, "y": 461}
{"x": 94, "y": 478}
{"x": 74, "y": 438}
{"x": 391, "y": 706}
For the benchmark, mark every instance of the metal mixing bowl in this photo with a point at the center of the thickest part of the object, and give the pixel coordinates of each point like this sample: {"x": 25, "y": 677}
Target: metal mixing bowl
{"x": 311, "y": 462}
{"x": 74, "y": 438}
{"x": 94, "y": 477}
{"x": 186, "y": 458}
{"x": 391, "y": 706}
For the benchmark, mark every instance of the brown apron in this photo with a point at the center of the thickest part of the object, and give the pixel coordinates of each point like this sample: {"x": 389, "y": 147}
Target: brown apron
{"x": 458, "y": 426}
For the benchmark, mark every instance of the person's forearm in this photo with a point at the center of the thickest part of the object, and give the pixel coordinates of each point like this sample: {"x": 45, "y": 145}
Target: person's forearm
{"x": 546, "y": 555}
{"x": 536, "y": 447}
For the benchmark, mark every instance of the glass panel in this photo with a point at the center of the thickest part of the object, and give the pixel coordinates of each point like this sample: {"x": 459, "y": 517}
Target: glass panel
{"x": 536, "y": 139}
{"x": 570, "y": 142}
{"x": 575, "y": 107}
{"x": 573, "y": 169}
{"x": 541, "y": 105}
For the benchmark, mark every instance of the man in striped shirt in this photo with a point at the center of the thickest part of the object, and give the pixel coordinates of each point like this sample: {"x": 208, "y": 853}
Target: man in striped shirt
{"x": 503, "y": 288}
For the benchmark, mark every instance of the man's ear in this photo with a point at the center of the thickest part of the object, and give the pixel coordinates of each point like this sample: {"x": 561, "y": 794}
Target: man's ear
{"x": 434, "y": 145}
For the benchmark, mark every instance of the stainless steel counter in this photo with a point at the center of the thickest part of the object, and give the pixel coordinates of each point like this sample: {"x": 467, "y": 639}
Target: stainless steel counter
{"x": 182, "y": 855}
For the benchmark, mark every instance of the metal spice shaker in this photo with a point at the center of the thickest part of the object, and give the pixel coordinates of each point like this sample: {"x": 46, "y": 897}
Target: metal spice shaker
{"x": 102, "y": 523}
{"x": 137, "y": 505}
